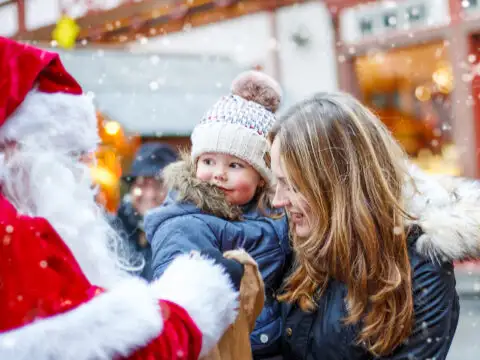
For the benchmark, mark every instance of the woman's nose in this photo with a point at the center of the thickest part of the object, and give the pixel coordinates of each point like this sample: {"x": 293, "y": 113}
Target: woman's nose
{"x": 279, "y": 199}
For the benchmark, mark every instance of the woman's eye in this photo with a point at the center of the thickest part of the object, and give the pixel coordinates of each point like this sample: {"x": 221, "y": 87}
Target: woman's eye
{"x": 287, "y": 187}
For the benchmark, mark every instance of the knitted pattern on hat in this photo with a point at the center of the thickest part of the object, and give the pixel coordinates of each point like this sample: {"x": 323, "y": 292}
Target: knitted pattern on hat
{"x": 238, "y": 126}
{"x": 234, "y": 109}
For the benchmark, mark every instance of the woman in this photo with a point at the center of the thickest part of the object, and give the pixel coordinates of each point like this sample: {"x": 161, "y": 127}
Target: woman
{"x": 374, "y": 243}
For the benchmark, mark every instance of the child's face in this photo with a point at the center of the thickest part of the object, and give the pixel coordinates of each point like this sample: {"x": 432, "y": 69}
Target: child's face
{"x": 235, "y": 177}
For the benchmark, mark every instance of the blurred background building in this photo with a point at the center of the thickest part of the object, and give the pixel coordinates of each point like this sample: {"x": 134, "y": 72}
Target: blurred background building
{"x": 154, "y": 66}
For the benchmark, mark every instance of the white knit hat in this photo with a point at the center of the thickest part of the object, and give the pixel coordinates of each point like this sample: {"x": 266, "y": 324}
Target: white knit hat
{"x": 239, "y": 123}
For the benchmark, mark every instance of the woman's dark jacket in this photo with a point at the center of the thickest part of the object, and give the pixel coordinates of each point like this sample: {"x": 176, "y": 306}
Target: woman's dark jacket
{"x": 446, "y": 228}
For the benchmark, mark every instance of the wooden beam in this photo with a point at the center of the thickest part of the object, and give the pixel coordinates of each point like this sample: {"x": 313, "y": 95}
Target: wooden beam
{"x": 154, "y": 17}
{"x": 207, "y": 13}
{"x": 335, "y": 6}
{"x": 21, "y": 16}
{"x": 101, "y": 20}
{"x": 8, "y": 2}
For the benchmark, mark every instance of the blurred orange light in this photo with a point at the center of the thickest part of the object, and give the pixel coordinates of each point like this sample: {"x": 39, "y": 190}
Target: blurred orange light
{"x": 112, "y": 127}
{"x": 443, "y": 78}
{"x": 423, "y": 93}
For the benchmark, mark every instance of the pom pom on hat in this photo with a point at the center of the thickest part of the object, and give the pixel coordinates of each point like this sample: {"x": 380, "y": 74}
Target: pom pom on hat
{"x": 258, "y": 87}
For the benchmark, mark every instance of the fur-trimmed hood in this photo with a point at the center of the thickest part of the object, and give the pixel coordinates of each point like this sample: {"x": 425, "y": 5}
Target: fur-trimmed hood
{"x": 448, "y": 211}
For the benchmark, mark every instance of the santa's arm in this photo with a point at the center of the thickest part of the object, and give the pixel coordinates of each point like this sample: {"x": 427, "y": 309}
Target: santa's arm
{"x": 129, "y": 320}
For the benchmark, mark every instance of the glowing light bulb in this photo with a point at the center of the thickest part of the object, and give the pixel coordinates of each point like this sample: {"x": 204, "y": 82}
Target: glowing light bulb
{"x": 112, "y": 127}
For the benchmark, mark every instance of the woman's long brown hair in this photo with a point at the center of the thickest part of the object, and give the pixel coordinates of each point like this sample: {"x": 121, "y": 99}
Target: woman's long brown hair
{"x": 344, "y": 162}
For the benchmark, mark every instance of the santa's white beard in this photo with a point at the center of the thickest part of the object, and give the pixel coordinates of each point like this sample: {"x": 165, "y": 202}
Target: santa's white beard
{"x": 46, "y": 183}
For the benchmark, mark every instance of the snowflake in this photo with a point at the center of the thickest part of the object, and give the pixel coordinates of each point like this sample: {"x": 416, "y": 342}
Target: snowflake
{"x": 471, "y": 71}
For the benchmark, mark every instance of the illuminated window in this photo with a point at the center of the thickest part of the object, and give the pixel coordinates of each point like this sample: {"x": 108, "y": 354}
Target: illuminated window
{"x": 469, "y": 4}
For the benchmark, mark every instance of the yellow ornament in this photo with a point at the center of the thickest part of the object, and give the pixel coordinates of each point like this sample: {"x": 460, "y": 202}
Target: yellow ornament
{"x": 66, "y": 32}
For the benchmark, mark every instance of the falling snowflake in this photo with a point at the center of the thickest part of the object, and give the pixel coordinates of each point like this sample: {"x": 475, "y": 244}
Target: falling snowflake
{"x": 154, "y": 59}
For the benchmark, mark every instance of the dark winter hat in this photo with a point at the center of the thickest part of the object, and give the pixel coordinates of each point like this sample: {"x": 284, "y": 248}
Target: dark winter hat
{"x": 150, "y": 160}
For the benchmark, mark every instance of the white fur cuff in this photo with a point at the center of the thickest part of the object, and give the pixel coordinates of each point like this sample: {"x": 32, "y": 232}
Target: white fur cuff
{"x": 114, "y": 323}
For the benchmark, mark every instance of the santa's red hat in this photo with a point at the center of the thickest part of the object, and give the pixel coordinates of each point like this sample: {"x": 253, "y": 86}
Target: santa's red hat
{"x": 39, "y": 98}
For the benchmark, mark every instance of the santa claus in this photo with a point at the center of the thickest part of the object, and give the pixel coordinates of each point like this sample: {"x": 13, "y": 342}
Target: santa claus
{"x": 64, "y": 291}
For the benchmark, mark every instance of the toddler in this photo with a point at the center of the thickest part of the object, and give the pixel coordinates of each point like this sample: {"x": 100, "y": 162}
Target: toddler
{"x": 219, "y": 194}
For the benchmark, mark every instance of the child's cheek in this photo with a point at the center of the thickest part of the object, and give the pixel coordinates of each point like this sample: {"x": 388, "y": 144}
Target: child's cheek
{"x": 202, "y": 175}
{"x": 244, "y": 186}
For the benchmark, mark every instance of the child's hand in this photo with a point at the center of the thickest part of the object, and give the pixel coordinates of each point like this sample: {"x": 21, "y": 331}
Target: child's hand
{"x": 241, "y": 256}
{"x": 233, "y": 268}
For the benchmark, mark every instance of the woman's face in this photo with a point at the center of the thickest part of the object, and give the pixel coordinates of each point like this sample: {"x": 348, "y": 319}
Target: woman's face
{"x": 285, "y": 196}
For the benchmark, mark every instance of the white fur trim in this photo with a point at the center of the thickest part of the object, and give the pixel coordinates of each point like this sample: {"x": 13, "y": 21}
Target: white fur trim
{"x": 112, "y": 324}
{"x": 69, "y": 121}
{"x": 205, "y": 291}
{"x": 448, "y": 211}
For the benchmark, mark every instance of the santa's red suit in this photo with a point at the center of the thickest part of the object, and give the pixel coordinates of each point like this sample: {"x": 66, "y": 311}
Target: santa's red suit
{"x": 56, "y": 300}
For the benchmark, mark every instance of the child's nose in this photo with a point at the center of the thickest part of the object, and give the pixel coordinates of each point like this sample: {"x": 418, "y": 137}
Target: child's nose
{"x": 220, "y": 174}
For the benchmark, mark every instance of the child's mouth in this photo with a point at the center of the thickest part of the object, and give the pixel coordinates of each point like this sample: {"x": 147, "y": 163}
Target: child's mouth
{"x": 223, "y": 189}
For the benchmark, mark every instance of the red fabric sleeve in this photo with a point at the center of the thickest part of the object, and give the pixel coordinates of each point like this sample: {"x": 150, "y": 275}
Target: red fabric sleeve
{"x": 39, "y": 275}
{"x": 180, "y": 337}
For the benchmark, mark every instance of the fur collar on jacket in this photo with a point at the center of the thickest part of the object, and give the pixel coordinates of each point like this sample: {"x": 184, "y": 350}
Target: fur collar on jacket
{"x": 448, "y": 211}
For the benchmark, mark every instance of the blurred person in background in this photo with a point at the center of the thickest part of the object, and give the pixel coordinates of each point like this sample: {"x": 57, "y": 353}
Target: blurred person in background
{"x": 146, "y": 190}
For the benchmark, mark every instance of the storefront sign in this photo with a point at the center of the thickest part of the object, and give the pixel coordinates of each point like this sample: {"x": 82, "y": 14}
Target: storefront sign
{"x": 471, "y": 5}
{"x": 386, "y": 17}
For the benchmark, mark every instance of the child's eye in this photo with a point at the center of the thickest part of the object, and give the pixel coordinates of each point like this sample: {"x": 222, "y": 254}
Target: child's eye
{"x": 208, "y": 161}
{"x": 236, "y": 166}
